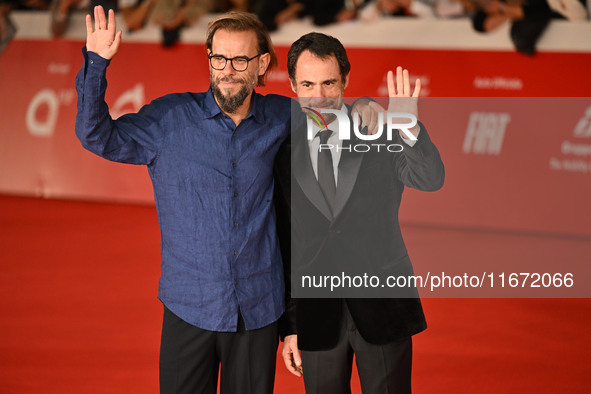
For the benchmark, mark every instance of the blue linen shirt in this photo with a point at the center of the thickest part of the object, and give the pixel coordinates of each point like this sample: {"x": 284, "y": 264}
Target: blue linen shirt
{"x": 213, "y": 188}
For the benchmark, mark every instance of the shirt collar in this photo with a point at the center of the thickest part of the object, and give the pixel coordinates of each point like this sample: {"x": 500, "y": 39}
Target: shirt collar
{"x": 211, "y": 108}
{"x": 257, "y": 108}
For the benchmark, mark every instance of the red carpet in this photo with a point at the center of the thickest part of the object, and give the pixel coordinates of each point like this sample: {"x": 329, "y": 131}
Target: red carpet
{"x": 79, "y": 312}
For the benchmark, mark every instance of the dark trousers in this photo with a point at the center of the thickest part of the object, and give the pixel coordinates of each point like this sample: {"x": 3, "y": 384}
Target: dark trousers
{"x": 190, "y": 358}
{"x": 383, "y": 369}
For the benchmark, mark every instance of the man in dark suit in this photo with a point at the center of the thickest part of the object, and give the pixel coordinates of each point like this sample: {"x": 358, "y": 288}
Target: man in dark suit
{"x": 343, "y": 212}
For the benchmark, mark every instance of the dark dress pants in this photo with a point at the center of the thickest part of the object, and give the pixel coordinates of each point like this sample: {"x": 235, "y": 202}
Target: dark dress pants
{"x": 190, "y": 358}
{"x": 383, "y": 369}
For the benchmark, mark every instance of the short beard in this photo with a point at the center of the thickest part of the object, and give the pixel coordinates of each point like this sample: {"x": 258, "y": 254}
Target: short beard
{"x": 230, "y": 104}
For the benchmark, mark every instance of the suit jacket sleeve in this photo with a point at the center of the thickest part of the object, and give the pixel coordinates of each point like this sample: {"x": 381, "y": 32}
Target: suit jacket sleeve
{"x": 420, "y": 166}
{"x": 282, "y": 199}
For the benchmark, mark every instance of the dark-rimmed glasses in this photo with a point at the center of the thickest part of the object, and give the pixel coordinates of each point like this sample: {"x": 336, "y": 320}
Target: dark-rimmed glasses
{"x": 239, "y": 63}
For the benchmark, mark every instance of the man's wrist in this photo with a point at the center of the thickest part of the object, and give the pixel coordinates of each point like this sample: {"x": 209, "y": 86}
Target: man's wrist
{"x": 96, "y": 59}
{"x": 415, "y": 130}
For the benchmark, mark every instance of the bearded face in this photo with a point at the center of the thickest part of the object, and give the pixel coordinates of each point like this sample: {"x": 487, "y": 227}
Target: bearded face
{"x": 231, "y": 87}
{"x": 226, "y": 99}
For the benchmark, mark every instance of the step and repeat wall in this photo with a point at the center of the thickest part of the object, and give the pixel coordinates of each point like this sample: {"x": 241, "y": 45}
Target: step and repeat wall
{"x": 514, "y": 131}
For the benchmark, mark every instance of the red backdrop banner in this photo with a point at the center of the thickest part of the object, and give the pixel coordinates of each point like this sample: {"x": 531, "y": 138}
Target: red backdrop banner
{"x": 511, "y": 163}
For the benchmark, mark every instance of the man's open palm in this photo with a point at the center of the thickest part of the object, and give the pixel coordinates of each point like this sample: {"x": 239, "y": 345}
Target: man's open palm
{"x": 104, "y": 39}
{"x": 402, "y": 98}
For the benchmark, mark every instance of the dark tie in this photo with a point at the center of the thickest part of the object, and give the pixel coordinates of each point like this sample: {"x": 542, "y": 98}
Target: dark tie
{"x": 325, "y": 169}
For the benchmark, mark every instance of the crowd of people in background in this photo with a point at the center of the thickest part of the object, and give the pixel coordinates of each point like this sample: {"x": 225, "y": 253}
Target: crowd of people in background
{"x": 528, "y": 18}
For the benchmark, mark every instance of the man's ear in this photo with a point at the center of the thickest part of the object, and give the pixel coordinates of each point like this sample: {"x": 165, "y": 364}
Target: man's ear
{"x": 264, "y": 61}
{"x": 346, "y": 82}
{"x": 293, "y": 86}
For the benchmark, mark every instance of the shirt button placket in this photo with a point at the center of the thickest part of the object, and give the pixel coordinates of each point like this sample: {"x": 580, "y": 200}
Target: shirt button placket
{"x": 234, "y": 165}
{"x": 235, "y": 202}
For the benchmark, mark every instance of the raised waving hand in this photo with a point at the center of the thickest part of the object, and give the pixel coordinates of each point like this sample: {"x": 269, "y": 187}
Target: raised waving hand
{"x": 402, "y": 99}
{"x": 103, "y": 39}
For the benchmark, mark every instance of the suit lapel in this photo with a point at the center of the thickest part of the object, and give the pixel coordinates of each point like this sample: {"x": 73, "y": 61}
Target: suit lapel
{"x": 348, "y": 170}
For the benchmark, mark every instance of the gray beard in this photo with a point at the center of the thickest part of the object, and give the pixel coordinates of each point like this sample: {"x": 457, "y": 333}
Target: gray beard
{"x": 230, "y": 104}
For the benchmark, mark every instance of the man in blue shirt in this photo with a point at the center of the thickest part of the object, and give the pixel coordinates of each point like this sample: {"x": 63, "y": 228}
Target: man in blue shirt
{"x": 210, "y": 157}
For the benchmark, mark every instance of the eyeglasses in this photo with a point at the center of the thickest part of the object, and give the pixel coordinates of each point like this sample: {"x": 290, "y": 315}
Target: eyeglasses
{"x": 239, "y": 63}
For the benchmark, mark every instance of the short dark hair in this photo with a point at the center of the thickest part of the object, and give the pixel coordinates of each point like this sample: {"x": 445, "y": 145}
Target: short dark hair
{"x": 320, "y": 45}
{"x": 243, "y": 21}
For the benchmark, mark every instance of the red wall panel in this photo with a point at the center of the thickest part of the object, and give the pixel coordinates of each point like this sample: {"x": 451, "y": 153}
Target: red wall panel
{"x": 512, "y": 163}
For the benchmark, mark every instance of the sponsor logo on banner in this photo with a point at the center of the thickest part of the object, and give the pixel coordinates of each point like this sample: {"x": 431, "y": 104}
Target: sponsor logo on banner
{"x": 44, "y": 108}
{"x": 583, "y": 127}
{"x": 498, "y": 83}
{"x": 130, "y": 101}
{"x": 485, "y": 133}
{"x": 576, "y": 153}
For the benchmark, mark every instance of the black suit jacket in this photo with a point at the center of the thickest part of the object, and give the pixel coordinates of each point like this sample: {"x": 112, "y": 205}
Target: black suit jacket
{"x": 362, "y": 230}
